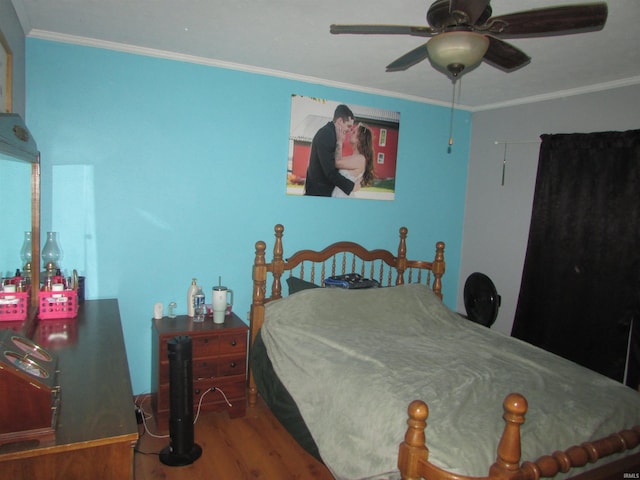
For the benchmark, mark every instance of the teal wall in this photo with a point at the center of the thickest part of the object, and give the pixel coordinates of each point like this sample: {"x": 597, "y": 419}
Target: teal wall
{"x": 155, "y": 171}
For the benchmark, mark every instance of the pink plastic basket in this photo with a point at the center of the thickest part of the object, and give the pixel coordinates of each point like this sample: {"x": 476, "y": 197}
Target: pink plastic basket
{"x": 13, "y": 306}
{"x": 62, "y": 304}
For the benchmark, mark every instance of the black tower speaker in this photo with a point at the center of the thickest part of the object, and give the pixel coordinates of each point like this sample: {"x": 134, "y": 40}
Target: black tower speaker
{"x": 181, "y": 450}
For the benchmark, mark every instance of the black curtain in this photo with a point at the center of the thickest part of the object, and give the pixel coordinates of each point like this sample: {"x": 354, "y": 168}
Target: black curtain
{"x": 580, "y": 289}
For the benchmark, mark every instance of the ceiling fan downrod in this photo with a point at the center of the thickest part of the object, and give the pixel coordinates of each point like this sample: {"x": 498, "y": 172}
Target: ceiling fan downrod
{"x": 455, "y": 69}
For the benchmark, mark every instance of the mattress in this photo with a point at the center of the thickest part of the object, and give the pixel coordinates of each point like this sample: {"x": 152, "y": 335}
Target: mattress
{"x": 354, "y": 360}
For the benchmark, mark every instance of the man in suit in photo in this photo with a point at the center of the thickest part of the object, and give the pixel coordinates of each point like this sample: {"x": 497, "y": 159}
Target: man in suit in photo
{"x": 322, "y": 174}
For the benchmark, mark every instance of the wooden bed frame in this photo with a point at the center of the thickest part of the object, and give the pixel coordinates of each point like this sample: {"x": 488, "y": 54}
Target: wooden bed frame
{"x": 413, "y": 456}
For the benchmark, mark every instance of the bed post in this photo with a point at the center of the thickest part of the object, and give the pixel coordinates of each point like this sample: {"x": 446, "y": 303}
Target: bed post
{"x": 277, "y": 264}
{"x": 507, "y": 464}
{"x": 414, "y": 449}
{"x": 438, "y": 268}
{"x": 401, "y": 261}
{"x": 257, "y": 309}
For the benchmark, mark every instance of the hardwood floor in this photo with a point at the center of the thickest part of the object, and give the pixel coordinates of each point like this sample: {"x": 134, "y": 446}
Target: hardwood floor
{"x": 252, "y": 447}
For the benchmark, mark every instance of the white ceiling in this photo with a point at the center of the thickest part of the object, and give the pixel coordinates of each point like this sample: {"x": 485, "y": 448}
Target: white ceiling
{"x": 291, "y": 38}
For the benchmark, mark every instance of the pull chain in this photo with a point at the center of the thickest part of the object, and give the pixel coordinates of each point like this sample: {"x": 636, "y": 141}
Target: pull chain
{"x": 453, "y": 102}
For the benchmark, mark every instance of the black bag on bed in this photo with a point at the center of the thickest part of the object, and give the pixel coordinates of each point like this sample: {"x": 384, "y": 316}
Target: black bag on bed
{"x": 350, "y": 280}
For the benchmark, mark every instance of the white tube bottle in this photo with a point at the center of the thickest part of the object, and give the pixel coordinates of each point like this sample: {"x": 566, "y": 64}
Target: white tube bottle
{"x": 193, "y": 288}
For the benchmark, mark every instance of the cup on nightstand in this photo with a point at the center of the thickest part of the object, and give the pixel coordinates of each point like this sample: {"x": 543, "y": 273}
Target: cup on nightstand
{"x": 222, "y": 300}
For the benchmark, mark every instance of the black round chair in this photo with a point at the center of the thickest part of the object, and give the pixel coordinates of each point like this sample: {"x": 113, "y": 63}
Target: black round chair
{"x": 481, "y": 299}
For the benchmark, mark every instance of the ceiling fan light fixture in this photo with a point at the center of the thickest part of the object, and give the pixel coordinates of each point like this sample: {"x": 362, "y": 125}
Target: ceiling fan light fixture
{"x": 458, "y": 50}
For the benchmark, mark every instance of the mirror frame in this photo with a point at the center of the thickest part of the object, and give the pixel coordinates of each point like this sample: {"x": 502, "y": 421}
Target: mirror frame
{"x": 16, "y": 141}
{"x": 29, "y": 324}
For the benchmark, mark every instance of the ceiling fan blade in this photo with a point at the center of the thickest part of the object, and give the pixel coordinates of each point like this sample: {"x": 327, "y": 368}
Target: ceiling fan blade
{"x": 473, "y": 9}
{"x": 564, "y": 20}
{"x": 505, "y": 56}
{"x": 418, "y": 31}
{"x": 409, "y": 59}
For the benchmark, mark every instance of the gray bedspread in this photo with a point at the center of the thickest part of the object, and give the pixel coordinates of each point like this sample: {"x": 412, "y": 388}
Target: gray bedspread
{"x": 354, "y": 359}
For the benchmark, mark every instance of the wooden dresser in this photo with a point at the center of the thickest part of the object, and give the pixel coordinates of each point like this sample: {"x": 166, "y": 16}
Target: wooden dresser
{"x": 96, "y": 425}
{"x": 219, "y": 358}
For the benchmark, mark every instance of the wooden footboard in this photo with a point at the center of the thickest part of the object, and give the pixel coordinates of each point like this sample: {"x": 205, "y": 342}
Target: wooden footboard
{"x": 336, "y": 259}
{"x": 413, "y": 455}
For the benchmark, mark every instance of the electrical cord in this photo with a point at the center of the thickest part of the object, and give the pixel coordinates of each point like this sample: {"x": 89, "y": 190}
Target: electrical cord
{"x": 146, "y": 416}
{"x": 195, "y": 419}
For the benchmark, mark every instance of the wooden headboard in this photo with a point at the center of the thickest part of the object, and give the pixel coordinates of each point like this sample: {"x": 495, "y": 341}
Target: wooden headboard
{"x": 336, "y": 259}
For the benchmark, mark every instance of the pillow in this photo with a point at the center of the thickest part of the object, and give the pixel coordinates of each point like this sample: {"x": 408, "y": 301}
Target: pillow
{"x": 296, "y": 284}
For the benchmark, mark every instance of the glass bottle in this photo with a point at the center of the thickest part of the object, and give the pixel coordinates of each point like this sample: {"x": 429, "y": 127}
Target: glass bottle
{"x": 199, "y": 308}
{"x": 25, "y": 254}
{"x": 193, "y": 288}
{"x": 51, "y": 253}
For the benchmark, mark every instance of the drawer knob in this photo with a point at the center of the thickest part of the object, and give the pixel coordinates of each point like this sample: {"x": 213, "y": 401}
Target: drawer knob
{"x": 233, "y": 342}
{"x": 232, "y": 364}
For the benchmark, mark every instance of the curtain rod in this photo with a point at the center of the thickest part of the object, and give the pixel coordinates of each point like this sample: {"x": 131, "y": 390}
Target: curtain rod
{"x": 496, "y": 142}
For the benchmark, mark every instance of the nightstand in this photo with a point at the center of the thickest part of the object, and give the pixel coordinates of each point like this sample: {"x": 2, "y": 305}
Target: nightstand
{"x": 219, "y": 359}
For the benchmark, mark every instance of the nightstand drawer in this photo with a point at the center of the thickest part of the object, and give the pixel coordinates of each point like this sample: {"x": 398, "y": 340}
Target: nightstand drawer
{"x": 218, "y": 366}
{"x": 232, "y": 390}
{"x": 210, "y": 345}
{"x": 210, "y": 367}
{"x": 205, "y": 345}
{"x": 233, "y": 343}
{"x": 232, "y": 365}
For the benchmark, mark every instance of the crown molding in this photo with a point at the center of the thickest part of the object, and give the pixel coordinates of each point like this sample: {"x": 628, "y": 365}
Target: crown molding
{"x": 180, "y": 57}
{"x": 599, "y": 87}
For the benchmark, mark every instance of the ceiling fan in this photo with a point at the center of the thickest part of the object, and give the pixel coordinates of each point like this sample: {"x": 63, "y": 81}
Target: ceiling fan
{"x": 463, "y": 33}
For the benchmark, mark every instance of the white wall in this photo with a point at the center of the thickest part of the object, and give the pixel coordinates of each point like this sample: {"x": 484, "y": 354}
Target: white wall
{"x": 496, "y": 224}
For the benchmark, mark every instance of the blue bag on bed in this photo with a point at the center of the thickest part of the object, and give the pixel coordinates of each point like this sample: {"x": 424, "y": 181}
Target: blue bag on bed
{"x": 350, "y": 280}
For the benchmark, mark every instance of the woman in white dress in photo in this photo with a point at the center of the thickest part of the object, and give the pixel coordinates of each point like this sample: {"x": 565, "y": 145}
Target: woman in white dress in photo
{"x": 357, "y": 167}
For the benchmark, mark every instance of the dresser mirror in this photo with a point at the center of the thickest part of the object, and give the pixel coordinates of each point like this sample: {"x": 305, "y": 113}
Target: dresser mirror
{"x": 20, "y": 204}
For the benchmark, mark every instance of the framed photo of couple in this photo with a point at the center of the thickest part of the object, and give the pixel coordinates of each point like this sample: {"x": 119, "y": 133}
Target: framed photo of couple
{"x": 368, "y": 150}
